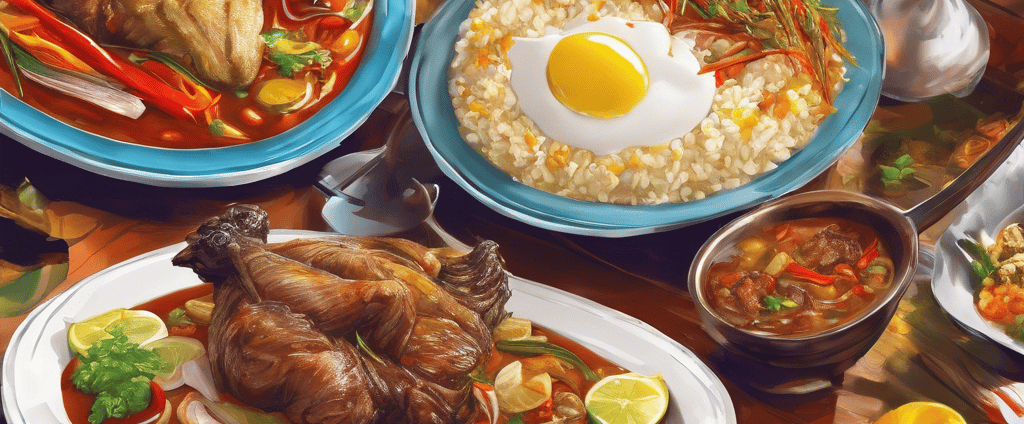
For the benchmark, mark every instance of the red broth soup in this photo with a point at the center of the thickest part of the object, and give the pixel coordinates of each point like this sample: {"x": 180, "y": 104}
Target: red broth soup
{"x": 78, "y": 404}
{"x": 302, "y": 53}
{"x": 800, "y": 276}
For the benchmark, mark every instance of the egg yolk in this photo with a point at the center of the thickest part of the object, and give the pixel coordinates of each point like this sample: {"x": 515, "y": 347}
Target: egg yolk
{"x": 596, "y": 74}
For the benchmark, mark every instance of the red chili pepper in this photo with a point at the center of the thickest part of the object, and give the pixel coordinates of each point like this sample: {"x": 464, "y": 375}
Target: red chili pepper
{"x": 176, "y": 103}
{"x": 858, "y": 290}
{"x": 869, "y": 255}
{"x": 540, "y": 414}
{"x": 808, "y": 275}
{"x": 847, "y": 270}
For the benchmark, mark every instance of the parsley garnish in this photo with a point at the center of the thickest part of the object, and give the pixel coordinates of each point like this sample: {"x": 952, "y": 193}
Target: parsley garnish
{"x": 117, "y": 372}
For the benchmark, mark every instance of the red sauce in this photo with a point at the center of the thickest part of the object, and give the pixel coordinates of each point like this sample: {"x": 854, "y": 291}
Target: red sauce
{"x": 78, "y": 404}
{"x": 158, "y": 129}
{"x": 822, "y": 278}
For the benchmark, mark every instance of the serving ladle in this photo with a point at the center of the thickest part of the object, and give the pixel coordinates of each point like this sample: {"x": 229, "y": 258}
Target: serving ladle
{"x": 378, "y": 192}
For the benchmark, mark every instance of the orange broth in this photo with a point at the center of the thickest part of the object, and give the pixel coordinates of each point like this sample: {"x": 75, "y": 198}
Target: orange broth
{"x": 158, "y": 129}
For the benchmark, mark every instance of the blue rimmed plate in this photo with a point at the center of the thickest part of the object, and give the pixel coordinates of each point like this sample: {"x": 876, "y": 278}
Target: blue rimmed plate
{"x": 435, "y": 118}
{"x": 389, "y": 43}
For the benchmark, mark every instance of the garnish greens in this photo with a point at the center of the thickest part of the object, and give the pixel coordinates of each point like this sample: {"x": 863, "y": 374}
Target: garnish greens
{"x": 177, "y": 317}
{"x": 900, "y": 169}
{"x": 1017, "y": 332}
{"x": 117, "y": 373}
{"x": 981, "y": 263}
{"x": 775, "y": 303}
{"x": 290, "y": 63}
{"x": 804, "y": 30}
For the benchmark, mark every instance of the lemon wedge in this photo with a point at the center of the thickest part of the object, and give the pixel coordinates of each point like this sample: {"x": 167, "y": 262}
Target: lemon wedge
{"x": 518, "y": 392}
{"x": 922, "y": 413}
{"x": 176, "y": 350}
{"x": 628, "y": 399}
{"x": 141, "y": 327}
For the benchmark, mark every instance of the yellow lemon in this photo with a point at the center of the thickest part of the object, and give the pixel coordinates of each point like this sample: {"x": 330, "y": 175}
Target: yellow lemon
{"x": 922, "y": 413}
{"x": 628, "y": 399}
{"x": 141, "y": 327}
{"x": 176, "y": 350}
{"x": 518, "y": 392}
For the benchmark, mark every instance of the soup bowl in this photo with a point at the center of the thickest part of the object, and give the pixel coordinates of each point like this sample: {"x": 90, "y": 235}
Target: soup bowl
{"x": 816, "y": 357}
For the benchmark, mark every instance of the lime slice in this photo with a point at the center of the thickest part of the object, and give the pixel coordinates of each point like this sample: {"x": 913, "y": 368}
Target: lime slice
{"x": 141, "y": 327}
{"x": 922, "y": 413}
{"x": 176, "y": 350}
{"x": 628, "y": 399}
{"x": 517, "y": 392}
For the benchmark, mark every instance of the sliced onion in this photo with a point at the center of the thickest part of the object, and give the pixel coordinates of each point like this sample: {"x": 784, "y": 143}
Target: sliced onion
{"x": 198, "y": 375}
{"x": 101, "y": 95}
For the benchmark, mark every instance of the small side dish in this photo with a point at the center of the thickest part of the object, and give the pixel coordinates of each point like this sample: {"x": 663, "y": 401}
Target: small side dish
{"x": 999, "y": 267}
{"x": 340, "y": 329}
{"x": 800, "y": 276}
{"x": 640, "y": 102}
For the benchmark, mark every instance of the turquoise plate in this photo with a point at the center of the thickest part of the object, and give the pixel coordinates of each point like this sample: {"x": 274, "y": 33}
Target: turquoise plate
{"x": 389, "y": 43}
{"x": 435, "y": 118}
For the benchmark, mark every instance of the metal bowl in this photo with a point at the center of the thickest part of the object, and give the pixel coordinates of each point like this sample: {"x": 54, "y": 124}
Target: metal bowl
{"x": 826, "y": 353}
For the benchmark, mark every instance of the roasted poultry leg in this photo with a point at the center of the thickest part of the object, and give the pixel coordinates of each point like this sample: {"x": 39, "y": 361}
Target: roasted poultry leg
{"x": 278, "y": 319}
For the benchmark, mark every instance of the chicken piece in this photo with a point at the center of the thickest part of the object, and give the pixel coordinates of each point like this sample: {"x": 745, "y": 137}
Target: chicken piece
{"x": 828, "y": 248}
{"x": 221, "y": 38}
{"x": 280, "y": 324}
{"x": 1010, "y": 270}
{"x": 1009, "y": 242}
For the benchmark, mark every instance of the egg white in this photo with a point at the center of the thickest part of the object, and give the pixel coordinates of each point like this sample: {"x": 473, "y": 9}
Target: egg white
{"x": 677, "y": 99}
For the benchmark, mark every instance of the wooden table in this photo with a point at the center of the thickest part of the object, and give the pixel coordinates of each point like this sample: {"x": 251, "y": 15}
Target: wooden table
{"x": 106, "y": 221}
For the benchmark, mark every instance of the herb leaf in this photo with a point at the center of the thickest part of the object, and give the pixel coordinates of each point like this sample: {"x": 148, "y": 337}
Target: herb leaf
{"x": 894, "y": 175}
{"x": 776, "y": 303}
{"x": 117, "y": 372}
{"x": 980, "y": 261}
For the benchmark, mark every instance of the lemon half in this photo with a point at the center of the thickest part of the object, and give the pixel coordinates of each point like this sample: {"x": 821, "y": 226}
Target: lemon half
{"x": 922, "y": 413}
{"x": 628, "y": 399}
{"x": 141, "y": 327}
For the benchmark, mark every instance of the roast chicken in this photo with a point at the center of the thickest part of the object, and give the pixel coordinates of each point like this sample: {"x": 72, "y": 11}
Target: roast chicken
{"x": 345, "y": 329}
{"x": 221, "y": 38}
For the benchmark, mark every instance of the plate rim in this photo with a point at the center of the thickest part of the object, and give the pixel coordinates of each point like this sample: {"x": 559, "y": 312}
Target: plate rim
{"x": 515, "y": 206}
{"x": 392, "y": 39}
{"x": 45, "y": 312}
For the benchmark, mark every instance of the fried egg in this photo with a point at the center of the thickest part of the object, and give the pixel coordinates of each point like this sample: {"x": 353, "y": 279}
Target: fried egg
{"x": 609, "y": 84}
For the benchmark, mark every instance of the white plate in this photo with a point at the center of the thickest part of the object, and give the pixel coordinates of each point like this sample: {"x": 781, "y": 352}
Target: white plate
{"x": 996, "y": 203}
{"x": 38, "y": 351}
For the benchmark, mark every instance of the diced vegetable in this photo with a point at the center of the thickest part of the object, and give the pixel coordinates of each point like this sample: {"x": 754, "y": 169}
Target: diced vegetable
{"x": 776, "y": 303}
{"x": 778, "y": 264}
{"x": 282, "y": 95}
